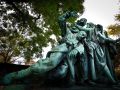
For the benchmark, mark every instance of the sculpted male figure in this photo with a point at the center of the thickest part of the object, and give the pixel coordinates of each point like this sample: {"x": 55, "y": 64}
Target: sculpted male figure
{"x": 90, "y": 48}
{"x": 72, "y": 37}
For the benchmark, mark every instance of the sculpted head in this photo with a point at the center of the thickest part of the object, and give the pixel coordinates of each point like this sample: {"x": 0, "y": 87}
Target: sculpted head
{"x": 99, "y": 27}
{"x": 90, "y": 25}
{"x": 82, "y": 22}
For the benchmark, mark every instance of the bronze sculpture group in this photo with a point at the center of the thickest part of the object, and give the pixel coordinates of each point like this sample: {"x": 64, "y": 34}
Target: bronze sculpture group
{"x": 82, "y": 55}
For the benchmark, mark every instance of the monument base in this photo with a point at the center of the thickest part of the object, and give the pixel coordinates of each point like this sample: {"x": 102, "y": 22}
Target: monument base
{"x": 38, "y": 87}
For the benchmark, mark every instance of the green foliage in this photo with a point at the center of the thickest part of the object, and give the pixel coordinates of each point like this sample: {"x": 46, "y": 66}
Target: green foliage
{"x": 27, "y": 26}
{"x": 115, "y": 28}
{"x": 115, "y": 31}
{"x": 50, "y": 10}
{"x": 117, "y": 17}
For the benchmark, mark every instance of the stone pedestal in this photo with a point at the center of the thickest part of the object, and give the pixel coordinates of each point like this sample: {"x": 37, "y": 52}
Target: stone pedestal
{"x": 37, "y": 87}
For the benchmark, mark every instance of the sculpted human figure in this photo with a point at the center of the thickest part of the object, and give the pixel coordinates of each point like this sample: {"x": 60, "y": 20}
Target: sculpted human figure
{"x": 104, "y": 41}
{"x": 69, "y": 38}
{"x": 82, "y": 69}
{"x": 110, "y": 51}
{"x": 100, "y": 59}
{"x": 72, "y": 37}
{"x": 91, "y": 45}
{"x": 41, "y": 67}
{"x": 91, "y": 48}
{"x": 79, "y": 51}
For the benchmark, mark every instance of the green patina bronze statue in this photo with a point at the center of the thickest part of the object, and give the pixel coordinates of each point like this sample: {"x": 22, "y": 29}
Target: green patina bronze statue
{"x": 82, "y": 56}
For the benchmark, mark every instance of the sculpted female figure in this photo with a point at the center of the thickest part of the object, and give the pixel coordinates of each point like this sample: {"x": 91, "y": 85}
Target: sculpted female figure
{"x": 103, "y": 42}
{"x": 100, "y": 56}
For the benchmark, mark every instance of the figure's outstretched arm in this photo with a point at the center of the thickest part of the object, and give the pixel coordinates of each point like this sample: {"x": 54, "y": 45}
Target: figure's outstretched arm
{"x": 62, "y": 21}
{"x": 83, "y": 28}
{"x": 105, "y": 38}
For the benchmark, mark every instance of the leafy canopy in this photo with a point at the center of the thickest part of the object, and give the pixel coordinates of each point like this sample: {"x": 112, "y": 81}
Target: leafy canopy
{"x": 26, "y": 26}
